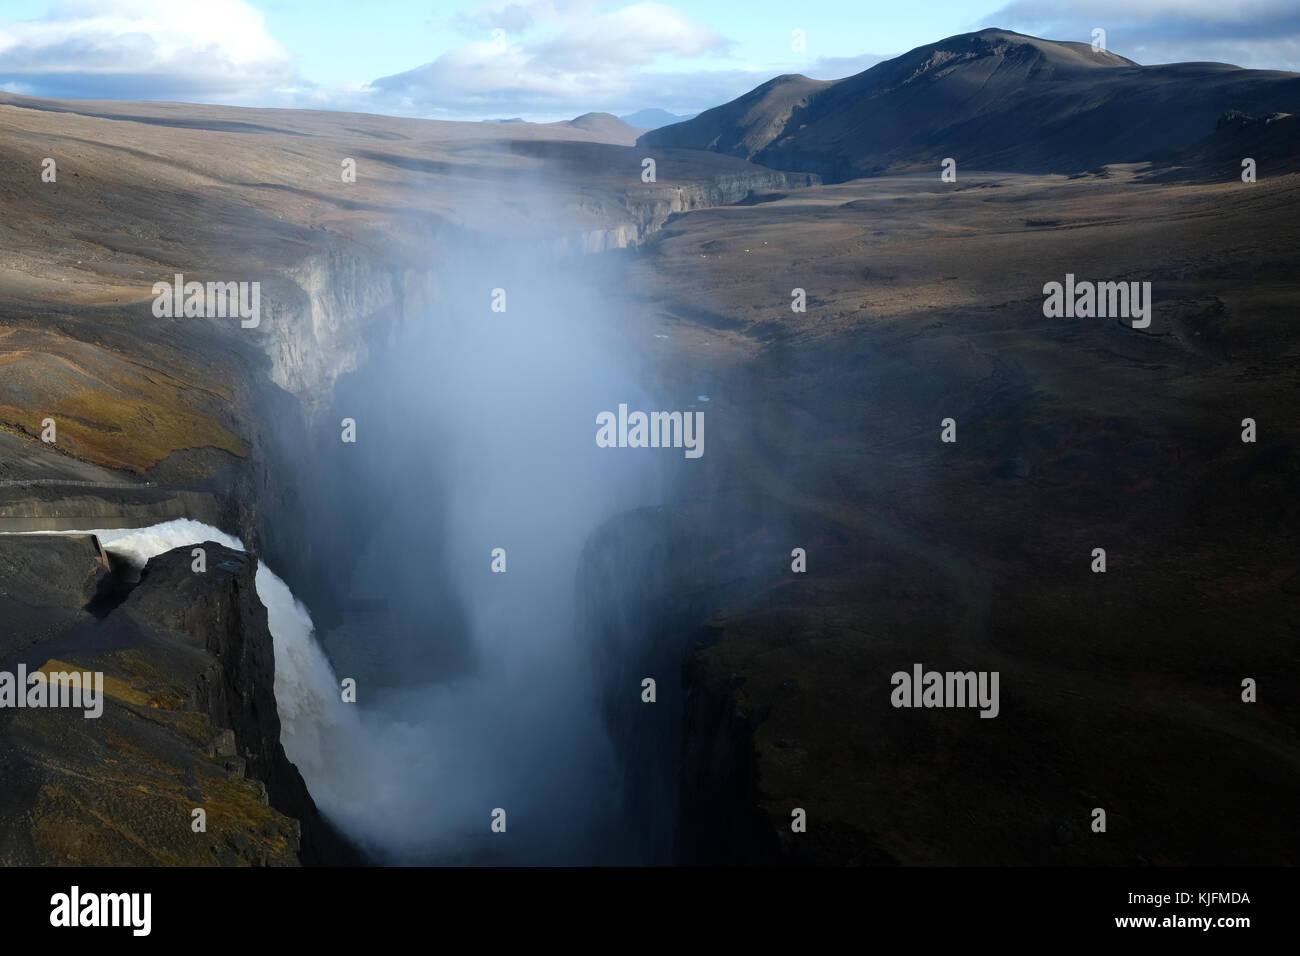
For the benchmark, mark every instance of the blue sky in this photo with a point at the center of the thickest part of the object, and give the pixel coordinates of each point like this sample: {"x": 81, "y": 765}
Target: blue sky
{"x": 551, "y": 59}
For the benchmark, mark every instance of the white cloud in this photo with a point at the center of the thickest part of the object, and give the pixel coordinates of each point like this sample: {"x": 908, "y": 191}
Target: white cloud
{"x": 145, "y": 49}
{"x": 589, "y": 63}
{"x": 558, "y": 58}
{"x": 632, "y": 35}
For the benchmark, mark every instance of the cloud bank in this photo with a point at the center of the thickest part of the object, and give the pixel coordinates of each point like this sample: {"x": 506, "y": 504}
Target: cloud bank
{"x": 144, "y": 49}
{"x": 545, "y": 59}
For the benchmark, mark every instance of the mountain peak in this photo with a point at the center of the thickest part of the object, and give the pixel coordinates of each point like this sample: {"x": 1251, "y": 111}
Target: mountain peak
{"x": 605, "y": 127}
{"x": 1028, "y": 52}
{"x": 994, "y": 99}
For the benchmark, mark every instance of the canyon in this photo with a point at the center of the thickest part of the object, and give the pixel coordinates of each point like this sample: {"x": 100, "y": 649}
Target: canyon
{"x": 474, "y": 432}
{"x": 234, "y": 425}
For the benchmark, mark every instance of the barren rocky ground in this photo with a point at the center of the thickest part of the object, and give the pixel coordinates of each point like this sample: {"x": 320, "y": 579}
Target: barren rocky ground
{"x": 1120, "y": 690}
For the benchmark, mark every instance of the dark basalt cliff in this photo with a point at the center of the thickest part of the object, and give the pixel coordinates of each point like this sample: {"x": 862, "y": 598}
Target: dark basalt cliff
{"x": 189, "y": 717}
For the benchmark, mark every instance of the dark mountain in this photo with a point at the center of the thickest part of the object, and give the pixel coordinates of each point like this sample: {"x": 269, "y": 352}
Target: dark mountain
{"x": 654, "y": 118}
{"x": 1273, "y": 141}
{"x": 991, "y": 100}
{"x": 609, "y": 127}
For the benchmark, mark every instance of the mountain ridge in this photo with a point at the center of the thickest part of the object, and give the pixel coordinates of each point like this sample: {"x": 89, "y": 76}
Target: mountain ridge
{"x": 994, "y": 99}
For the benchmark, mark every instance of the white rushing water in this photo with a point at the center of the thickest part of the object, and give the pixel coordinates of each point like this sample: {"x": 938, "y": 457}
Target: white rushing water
{"x": 412, "y": 776}
{"x": 325, "y": 737}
